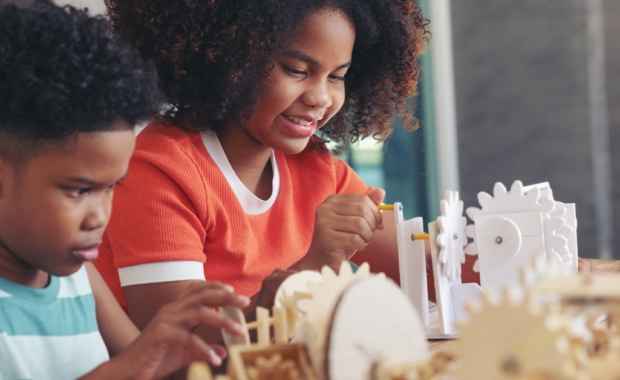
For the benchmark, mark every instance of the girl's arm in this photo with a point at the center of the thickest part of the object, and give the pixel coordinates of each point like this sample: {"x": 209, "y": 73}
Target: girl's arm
{"x": 167, "y": 343}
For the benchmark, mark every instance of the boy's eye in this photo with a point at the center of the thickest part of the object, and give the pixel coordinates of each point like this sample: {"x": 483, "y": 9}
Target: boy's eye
{"x": 77, "y": 192}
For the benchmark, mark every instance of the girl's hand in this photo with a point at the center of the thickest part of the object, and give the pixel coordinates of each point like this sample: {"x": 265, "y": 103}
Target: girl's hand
{"x": 344, "y": 224}
{"x": 168, "y": 343}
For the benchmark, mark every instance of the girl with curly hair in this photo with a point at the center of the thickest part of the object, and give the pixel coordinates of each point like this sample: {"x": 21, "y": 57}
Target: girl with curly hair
{"x": 235, "y": 183}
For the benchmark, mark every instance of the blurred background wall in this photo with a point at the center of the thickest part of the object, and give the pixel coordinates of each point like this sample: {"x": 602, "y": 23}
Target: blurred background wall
{"x": 532, "y": 88}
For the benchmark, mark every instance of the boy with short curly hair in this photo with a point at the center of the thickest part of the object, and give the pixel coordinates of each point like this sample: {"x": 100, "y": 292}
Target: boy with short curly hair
{"x": 70, "y": 95}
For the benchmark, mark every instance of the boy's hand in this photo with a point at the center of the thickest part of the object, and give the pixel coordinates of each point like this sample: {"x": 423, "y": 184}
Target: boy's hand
{"x": 168, "y": 343}
{"x": 344, "y": 224}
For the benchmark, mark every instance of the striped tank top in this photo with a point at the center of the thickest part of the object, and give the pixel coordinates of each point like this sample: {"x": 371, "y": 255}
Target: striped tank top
{"x": 49, "y": 333}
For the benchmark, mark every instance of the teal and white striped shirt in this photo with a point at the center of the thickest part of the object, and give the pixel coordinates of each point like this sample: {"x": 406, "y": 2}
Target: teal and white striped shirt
{"x": 49, "y": 333}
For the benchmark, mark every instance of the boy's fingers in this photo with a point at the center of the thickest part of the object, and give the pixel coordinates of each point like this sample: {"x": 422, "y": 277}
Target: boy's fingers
{"x": 207, "y": 316}
{"x": 212, "y": 298}
{"x": 377, "y": 196}
{"x": 198, "y": 286}
{"x": 193, "y": 343}
{"x": 347, "y": 240}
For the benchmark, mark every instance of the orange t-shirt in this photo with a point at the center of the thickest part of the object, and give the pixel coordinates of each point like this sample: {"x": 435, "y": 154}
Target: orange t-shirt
{"x": 182, "y": 213}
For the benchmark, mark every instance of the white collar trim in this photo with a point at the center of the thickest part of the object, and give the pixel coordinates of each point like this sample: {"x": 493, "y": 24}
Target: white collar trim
{"x": 251, "y": 204}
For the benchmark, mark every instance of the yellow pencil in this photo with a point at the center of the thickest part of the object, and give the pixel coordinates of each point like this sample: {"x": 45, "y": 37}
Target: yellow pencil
{"x": 385, "y": 207}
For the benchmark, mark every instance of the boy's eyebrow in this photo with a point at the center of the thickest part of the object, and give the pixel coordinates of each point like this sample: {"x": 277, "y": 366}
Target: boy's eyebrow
{"x": 306, "y": 58}
{"x": 91, "y": 182}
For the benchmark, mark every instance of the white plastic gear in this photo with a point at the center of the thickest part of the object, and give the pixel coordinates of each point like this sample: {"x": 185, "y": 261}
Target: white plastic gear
{"x": 451, "y": 238}
{"x": 518, "y": 201}
{"x": 512, "y": 340}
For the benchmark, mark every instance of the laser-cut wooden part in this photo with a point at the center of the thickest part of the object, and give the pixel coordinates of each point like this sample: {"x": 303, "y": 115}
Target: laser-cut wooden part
{"x": 373, "y": 319}
{"x": 451, "y": 237}
{"x": 412, "y": 261}
{"x": 297, "y": 282}
{"x": 264, "y": 322}
{"x": 506, "y": 244}
{"x": 443, "y": 286}
{"x": 243, "y": 358}
{"x": 535, "y": 198}
{"x": 199, "y": 371}
{"x": 511, "y": 341}
{"x": 236, "y": 315}
{"x": 280, "y": 325}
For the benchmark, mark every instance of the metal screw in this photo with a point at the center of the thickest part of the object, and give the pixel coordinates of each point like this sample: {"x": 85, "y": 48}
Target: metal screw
{"x": 499, "y": 240}
{"x": 412, "y": 237}
{"x": 510, "y": 365}
{"x": 400, "y": 207}
{"x": 455, "y": 236}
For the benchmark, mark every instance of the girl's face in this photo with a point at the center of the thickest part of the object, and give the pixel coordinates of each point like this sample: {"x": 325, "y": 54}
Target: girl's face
{"x": 306, "y": 86}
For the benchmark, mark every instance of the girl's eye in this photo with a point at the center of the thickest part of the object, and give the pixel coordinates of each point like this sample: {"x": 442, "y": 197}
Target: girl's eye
{"x": 293, "y": 71}
{"x": 336, "y": 78}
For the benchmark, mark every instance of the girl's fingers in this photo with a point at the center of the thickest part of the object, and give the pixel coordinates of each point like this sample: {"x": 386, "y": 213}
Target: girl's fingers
{"x": 347, "y": 240}
{"x": 353, "y": 225}
{"x": 357, "y": 209}
{"x": 198, "y": 286}
{"x": 219, "y": 350}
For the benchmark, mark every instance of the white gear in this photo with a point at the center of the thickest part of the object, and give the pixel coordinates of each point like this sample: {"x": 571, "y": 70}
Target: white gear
{"x": 512, "y": 340}
{"x": 520, "y": 201}
{"x": 451, "y": 236}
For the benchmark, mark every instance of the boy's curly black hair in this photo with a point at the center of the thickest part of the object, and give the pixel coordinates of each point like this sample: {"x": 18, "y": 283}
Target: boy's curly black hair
{"x": 211, "y": 54}
{"x": 63, "y": 72}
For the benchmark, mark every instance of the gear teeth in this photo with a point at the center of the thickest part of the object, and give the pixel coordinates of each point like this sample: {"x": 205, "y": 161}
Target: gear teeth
{"x": 471, "y": 249}
{"x": 558, "y": 240}
{"x": 473, "y": 211}
{"x": 328, "y": 273}
{"x": 517, "y": 187}
{"x": 364, "y": 270}
{"x": 499, "y": 190}
{"x": 473, "y": 307}
{"x": 345, "y": 269}
{"x": 558, "y": 213}
{"x": 565, "y": 230}
{"x": 470, "y": 231}
{"x": 556, "y": 223}
{"x": 513, "y": 295}
{"x": 489, "y": 296}
{"x": 484, "y": 199}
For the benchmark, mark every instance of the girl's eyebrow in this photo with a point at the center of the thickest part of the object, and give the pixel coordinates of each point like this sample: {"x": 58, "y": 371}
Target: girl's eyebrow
{"x": 306, "y": 58}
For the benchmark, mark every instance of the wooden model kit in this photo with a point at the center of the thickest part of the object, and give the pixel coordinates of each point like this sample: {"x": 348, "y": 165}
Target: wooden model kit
{"x": 536, "y": 318}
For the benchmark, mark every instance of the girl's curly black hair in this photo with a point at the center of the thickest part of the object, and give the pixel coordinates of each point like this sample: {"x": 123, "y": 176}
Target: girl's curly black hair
{"x": 211, "y": 54}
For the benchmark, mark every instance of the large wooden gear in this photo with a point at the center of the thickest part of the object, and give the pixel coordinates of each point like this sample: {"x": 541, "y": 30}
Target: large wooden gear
{"x": 512, "y": 340}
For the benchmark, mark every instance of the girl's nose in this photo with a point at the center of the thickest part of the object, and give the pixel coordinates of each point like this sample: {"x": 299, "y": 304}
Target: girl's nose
{"x": 317, "y": 96}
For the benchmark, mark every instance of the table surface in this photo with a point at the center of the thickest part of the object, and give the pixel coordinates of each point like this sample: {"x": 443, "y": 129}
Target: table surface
{"x": 611, "y": 266}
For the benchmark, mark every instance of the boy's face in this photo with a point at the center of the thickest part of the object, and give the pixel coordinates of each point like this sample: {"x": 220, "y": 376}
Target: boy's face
{"x": 53, "y": 211}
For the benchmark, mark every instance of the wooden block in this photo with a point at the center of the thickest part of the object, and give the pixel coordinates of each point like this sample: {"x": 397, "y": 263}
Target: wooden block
{"x": 262, "y": 317}
{"x": 199, "y": 371}
{"x": 236, "y": 315}
{"x": 280, "y": 325}
{"x": 242, "y": 357}
{"x": 443, "y": 285}
{"x": 372, "y": 320}
{"x": 412, "y": 262}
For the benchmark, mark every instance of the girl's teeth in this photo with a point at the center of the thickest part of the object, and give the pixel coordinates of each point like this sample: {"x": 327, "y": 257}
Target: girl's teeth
{"x": 298, "y": 120}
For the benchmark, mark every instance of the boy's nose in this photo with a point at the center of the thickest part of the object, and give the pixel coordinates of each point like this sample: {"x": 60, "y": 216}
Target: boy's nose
{"x": 96, "y": 218}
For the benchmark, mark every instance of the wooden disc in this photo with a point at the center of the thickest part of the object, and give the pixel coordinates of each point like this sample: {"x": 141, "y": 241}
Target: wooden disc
{"x": 372, "y": 320}
{"x": 297, "y": 282}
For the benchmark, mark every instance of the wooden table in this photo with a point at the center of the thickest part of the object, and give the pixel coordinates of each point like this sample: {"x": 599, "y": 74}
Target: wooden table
{"x": 611, "y": 266}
